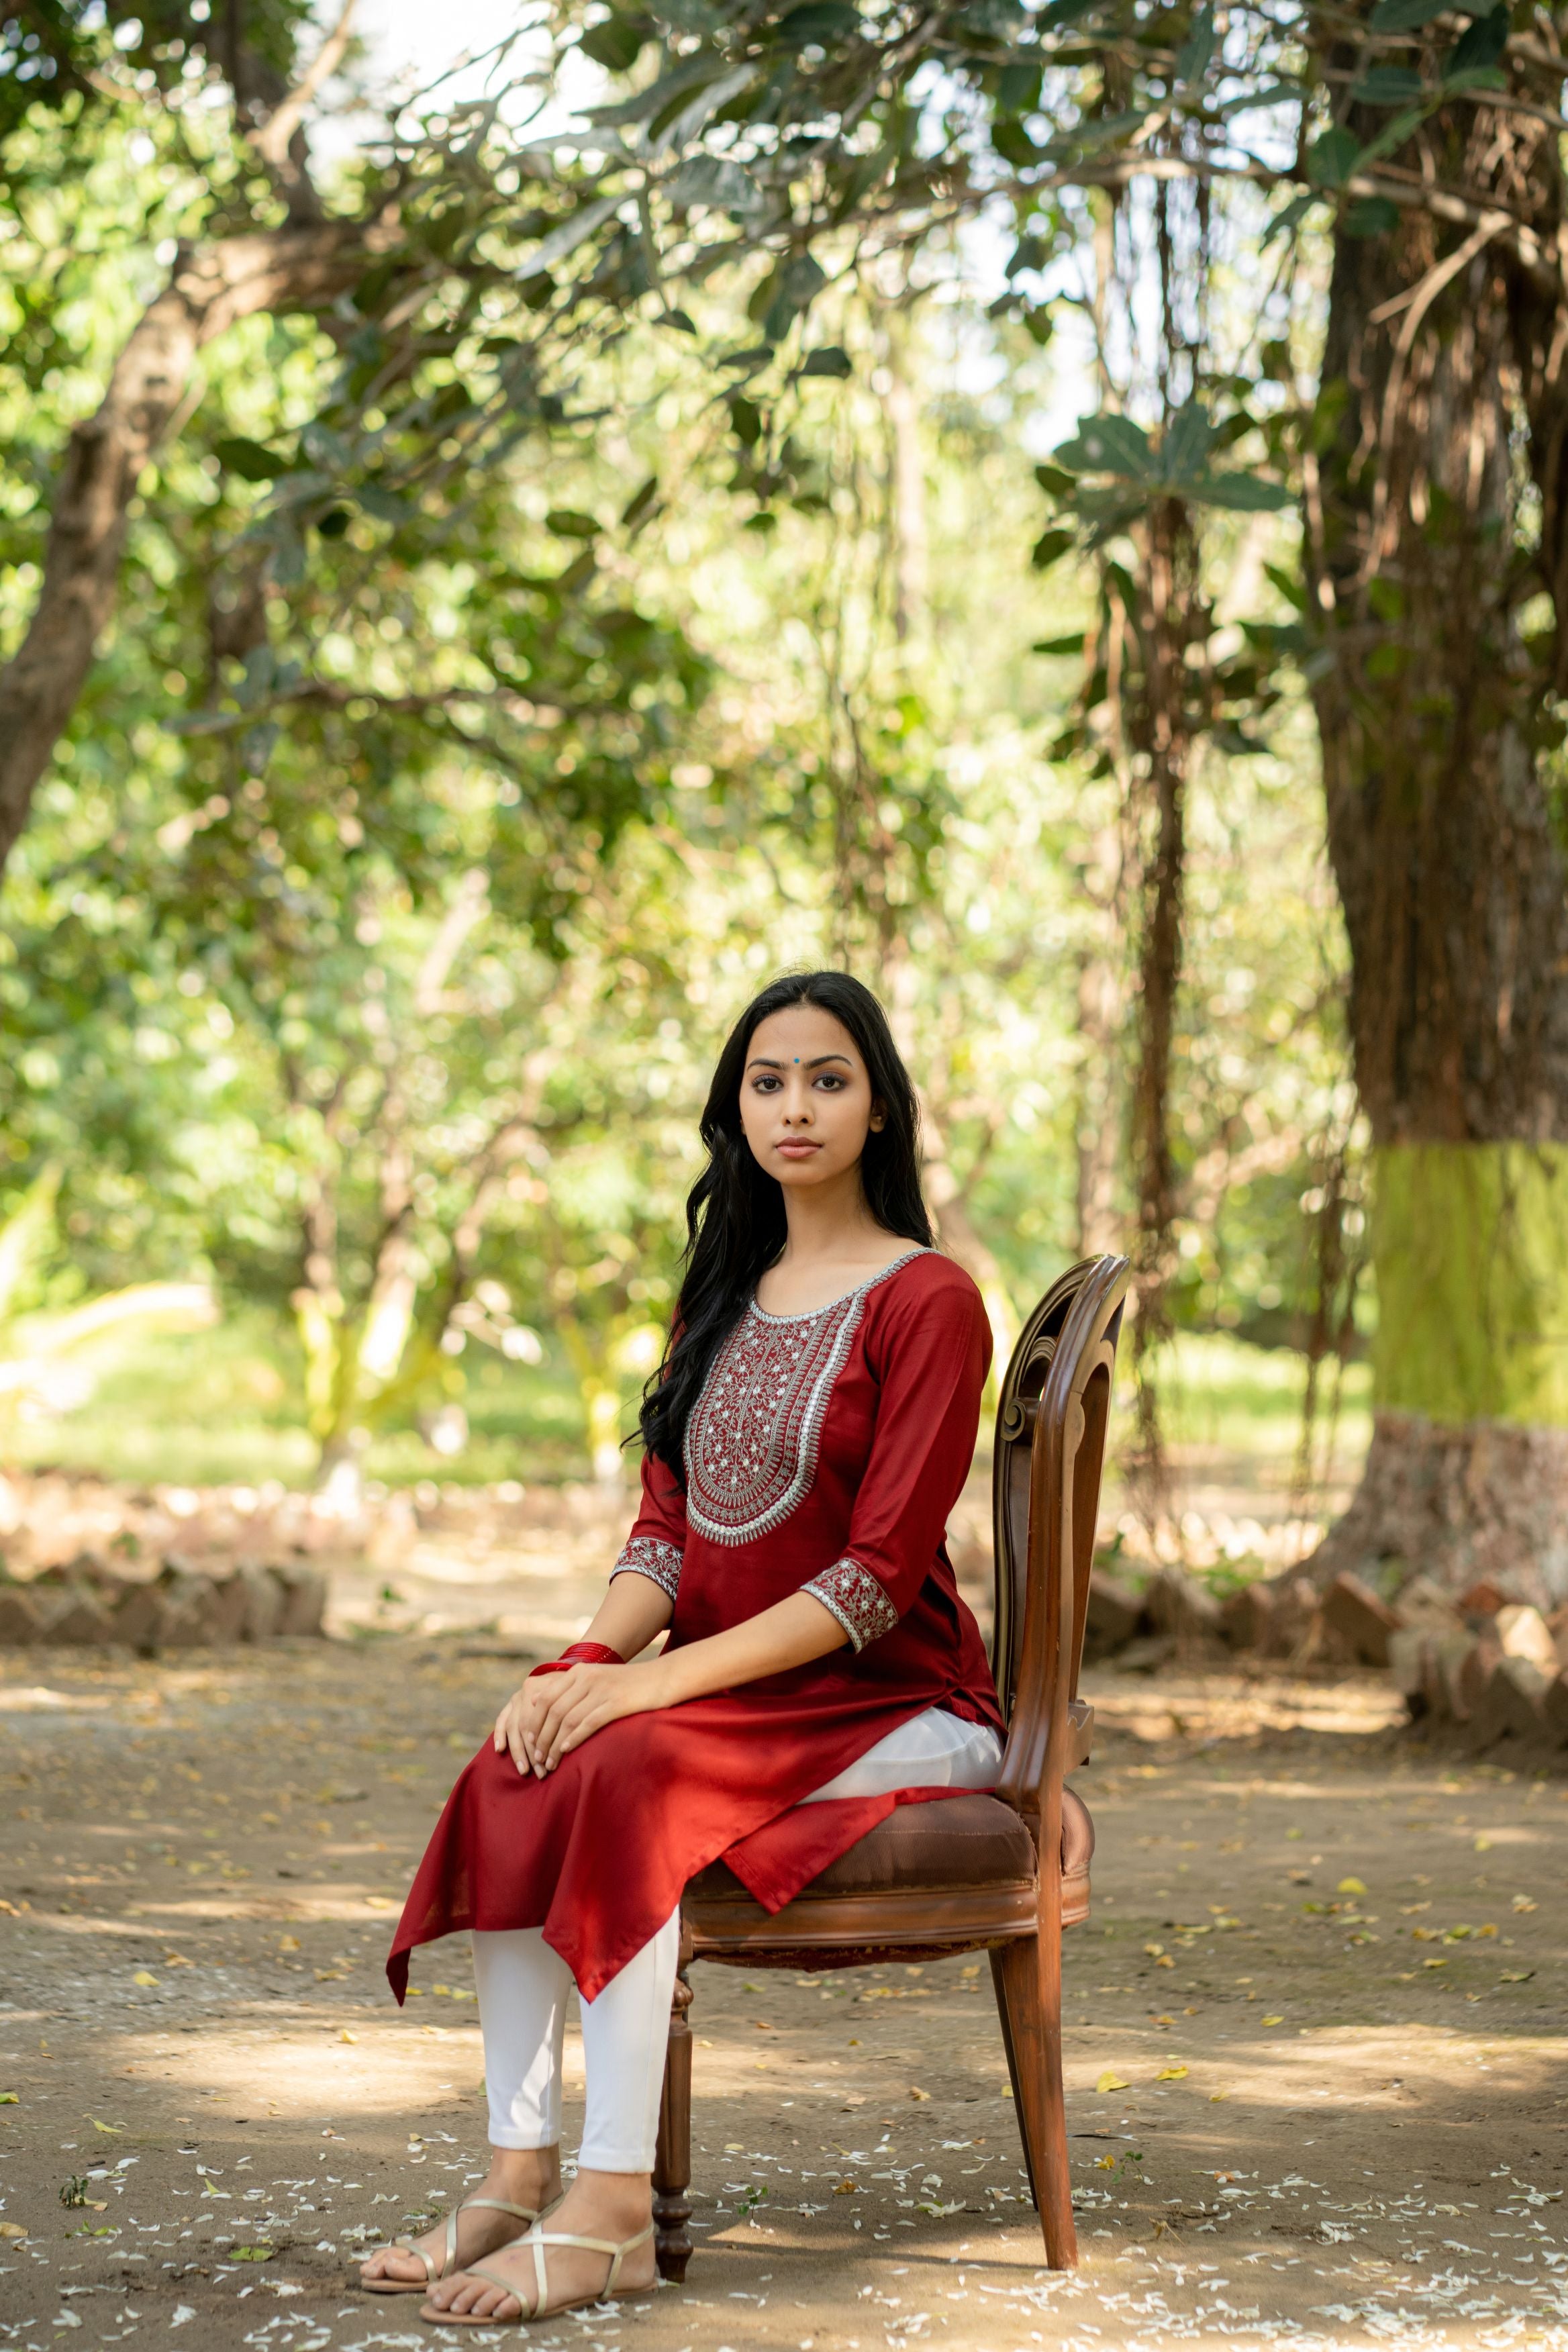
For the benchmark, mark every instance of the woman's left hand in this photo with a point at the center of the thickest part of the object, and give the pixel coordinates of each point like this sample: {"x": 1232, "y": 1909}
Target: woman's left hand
{"x": 556, "y": 1713}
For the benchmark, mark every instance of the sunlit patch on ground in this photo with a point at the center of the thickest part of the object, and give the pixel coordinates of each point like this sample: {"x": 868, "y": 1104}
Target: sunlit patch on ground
{"x": 1316, "y": 2043}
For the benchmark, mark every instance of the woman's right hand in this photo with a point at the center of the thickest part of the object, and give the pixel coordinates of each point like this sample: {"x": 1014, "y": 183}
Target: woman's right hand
{"x": 517, "y": 1725}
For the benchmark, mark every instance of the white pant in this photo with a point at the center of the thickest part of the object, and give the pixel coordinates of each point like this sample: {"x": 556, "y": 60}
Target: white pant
{"x": 522, "y": 1984}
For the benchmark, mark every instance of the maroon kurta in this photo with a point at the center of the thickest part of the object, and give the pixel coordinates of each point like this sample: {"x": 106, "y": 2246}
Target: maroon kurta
{"x": 824, "y": 1455}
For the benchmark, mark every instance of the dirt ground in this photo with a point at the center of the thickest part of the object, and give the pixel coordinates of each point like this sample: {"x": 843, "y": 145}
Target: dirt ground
{"x": 1317, "y": 2048}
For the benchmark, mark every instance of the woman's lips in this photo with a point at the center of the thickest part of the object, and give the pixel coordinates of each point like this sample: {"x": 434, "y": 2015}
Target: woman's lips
{"x": 797, "y": 1149}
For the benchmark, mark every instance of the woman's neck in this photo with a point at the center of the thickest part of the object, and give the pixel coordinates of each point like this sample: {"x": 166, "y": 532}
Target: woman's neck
{"x": 833, "y": 1241}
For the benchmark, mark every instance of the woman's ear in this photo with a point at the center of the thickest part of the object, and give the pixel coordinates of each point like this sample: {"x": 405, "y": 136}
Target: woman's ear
{"x": 878, "y": 1118}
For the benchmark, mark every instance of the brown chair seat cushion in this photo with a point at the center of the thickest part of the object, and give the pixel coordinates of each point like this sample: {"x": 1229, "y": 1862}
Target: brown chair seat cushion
{"x": 953, "y": 1841}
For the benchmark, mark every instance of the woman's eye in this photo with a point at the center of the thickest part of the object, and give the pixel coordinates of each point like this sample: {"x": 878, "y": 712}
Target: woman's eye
{"x": 765, "y": 1086}
{"x": 832, "y": 1081}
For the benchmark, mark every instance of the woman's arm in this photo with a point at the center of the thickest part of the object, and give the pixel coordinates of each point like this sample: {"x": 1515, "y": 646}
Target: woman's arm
{"x": 550, "y": 1717}
{"x": 631, "y": 1613}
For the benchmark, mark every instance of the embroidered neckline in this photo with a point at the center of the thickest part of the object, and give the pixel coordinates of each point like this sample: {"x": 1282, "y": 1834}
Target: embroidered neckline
{"x": 844, "y": 1296}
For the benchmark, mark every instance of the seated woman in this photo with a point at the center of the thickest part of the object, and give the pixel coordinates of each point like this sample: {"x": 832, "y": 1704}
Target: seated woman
{"x": 805, "y": 1438}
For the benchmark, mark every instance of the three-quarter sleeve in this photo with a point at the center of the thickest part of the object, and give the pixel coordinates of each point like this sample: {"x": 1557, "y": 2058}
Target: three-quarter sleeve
{"x": 929, "y": 1353}
{"x": 656, "y": 1543}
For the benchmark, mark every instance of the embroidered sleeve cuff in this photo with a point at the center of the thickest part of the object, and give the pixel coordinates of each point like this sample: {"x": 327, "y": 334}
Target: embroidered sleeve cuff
{"x": 645, "y": 1556}
{"x": 855, "y": 1598}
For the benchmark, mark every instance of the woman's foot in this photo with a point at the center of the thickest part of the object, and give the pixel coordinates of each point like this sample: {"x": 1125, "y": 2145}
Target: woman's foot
{"x": 529, "y": 2177}
{"x": 608, "y": 2205}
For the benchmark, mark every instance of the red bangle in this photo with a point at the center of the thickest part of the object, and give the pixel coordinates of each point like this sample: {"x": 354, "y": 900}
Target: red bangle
{"x": 580, "y": 1654}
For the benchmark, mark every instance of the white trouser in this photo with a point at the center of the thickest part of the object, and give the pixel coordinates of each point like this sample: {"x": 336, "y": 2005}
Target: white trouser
{"x": 522, "y": 1984}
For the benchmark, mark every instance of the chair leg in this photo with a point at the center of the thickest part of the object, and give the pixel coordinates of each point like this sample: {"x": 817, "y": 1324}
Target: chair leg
{"x": 672, "y": 2161}
{"x": 1028, "y": 1998}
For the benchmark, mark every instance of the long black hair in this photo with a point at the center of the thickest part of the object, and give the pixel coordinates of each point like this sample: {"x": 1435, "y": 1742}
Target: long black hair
{"x": 735, "y": 1213}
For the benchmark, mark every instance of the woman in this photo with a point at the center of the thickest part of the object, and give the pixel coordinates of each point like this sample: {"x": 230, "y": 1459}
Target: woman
{"x": 809, "y": 1430}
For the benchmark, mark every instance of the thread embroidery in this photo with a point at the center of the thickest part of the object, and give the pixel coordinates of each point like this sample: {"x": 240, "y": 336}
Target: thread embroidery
{"x": 646, "y": 1556}
{"x": 752, "y": 1440}
{"x": 857, "y": 1598}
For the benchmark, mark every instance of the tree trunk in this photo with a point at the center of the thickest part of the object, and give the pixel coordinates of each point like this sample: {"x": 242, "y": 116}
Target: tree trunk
{"x": 1451, "y": 873}
{"x": 211, "y": 287}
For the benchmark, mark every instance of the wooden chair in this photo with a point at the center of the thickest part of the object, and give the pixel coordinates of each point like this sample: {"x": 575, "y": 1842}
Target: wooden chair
{"x": 1003, "y": 1874}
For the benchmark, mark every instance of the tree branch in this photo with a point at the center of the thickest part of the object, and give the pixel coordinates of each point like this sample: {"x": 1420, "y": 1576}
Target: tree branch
{"x": 210, "y": 289}
{"x": 271, "y": 141}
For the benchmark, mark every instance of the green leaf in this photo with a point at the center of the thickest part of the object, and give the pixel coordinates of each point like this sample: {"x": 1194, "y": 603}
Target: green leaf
{"x": 1288, "y": 219}
{"x": 746, "y": 418}
{"x": 1194, "y": 56}
{"x": 249, "y": 460}
{"x": 566, "y": 523}
{"x": 1050, "y": 547}
{"x": 1018, "y": 89}
{"x": 1293, "y": 590}
{"x": 568, "y": 234}
{"x": 1478, "y": 47}
{"x": 1275, "y": 93}
{"x": 251, "y": 2253}
{"x": 637, "y": 505}
{"x": 1188, "y": 437}
{"x": 1054, "y": 645}
{"x": 1013, "y": 144}
{"x": 817, "y": 25}
{"x": 1331, "y": 158}
{"x": 617, "y": 43}
{"x": 829, "y": 359}
{"x": 1242, "y": 493}
{"x": 334, "y": 522}
{"x": 991, "y": 20}
{"x": 1370, "y": 217}
{"x": 681, "y": 321}
{"x": 1387, "y": 86}
{"x": 1109, "y": 444}
{"x": 1406, "y": 16}
{"x": 1055, "y": 481}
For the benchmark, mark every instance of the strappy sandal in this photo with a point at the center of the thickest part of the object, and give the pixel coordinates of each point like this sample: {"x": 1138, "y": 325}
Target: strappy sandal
{"x": 539, "y": 2238}
{"x": 525, "y": 2213}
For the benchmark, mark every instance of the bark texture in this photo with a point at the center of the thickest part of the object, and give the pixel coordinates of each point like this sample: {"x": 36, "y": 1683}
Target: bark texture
{"x": 210, "y": 288}
{"x": 1444, "y": 355}
{"x": 1458, "y": 1505}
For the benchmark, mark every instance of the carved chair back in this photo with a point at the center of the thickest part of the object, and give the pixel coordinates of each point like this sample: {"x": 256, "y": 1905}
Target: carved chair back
{"x": 1050, "y": 1452}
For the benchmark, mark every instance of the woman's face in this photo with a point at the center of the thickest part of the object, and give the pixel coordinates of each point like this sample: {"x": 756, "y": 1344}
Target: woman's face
{"x": 806, "y": 1106}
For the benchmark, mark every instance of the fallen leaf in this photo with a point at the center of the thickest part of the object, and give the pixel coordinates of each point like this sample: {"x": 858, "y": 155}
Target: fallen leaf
{"x": 1274, "y": 2020}
{"x": 12, "y": 2230}
{"x": 1522, "y": 1903}
{"x": 1110, "y": 2081}
{"x": 1483, "y": 1845}
{"x": 1105, "y": 2163}
{"x": 144, "y": 1977}
{"x": 346, "y": 2036}
{"x": 177, "y": 1960}
{"x": 1171, "y": 2074}
{"x": 9, "y": 2099}
{"x": 1435, "y": 1964}
{"x": 251, "y": 2253}
{"x": 112, "y": 2131}
{"x": 1516, "y": 1975}
{"x": 1216, "y": 2097}
{"x": 918, "y": 2094}
{"x": 1350, "y": 1887}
